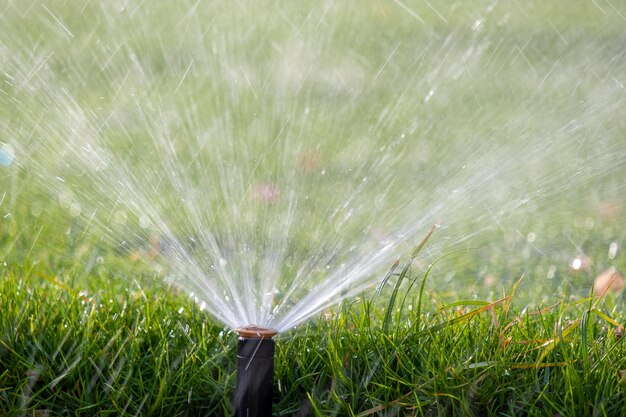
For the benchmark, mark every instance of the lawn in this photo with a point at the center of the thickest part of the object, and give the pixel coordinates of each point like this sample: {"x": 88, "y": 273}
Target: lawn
{"x": 170, "y": 171}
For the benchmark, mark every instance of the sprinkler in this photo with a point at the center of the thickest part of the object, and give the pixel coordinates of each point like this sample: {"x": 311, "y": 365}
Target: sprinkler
{"x": 255, "y": 371}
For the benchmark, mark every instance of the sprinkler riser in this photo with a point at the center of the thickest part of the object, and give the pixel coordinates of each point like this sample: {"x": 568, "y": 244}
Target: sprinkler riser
{"x": 255, "y": 372}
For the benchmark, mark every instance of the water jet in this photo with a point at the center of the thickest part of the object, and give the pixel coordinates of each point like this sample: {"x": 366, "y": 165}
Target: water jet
{"x": 255, "y": 371}
{"x": 270, "y": 180}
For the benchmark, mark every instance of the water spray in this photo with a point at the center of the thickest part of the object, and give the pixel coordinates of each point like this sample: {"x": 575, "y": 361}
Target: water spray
{"x": 255, "y": 371}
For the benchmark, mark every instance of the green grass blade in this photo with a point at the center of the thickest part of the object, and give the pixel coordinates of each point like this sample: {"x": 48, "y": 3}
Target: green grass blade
{"x": 401, "y": 276}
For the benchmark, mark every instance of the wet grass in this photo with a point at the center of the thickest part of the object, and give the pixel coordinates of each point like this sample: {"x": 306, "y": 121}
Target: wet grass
{"x": 116, "y": 351}
{"x": 87, "y": 328}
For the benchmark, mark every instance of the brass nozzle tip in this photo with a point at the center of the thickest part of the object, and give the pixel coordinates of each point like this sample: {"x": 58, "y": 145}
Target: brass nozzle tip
{"x": 253, "y": 331}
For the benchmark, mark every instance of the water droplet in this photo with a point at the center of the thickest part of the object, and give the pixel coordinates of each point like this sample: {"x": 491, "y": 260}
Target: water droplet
{"x": 7, "y": 154}
{"x": 580, "y": 262}
{"x": 478, "y": 23}
{"x": 99, "y": 260}
{"x": 66, "y": 198}
{"x": 144, "y": 222}
{"x": 531, "y": 237}
{"x": 120, "y": 217}
{"x": 180, "y": 310}
{"x": 551, "y": 271}
{"x": 75, "y": 209}
{"x": 36, "y": 209}
{"x": 612, "y": 250}
{"x": 223, "y": 262}
{"x": 430, "y": 95}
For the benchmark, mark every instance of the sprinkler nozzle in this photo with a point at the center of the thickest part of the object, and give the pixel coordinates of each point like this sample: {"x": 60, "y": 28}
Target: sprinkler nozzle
{"x": 255, "y": 371}
{"x": 255, "y": 332}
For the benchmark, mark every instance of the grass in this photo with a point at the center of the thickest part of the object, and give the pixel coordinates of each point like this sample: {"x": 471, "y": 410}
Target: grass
{"x": 148, "y": 352}
{"x": 503, "y": 120}
{"x": 72, "y": 353}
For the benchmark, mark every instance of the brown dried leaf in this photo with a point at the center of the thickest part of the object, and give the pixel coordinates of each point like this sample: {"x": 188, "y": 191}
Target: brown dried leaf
{"x": 266, "y": 192}
{"x": 608, "y": 281}
{"x": 621, "y": 376}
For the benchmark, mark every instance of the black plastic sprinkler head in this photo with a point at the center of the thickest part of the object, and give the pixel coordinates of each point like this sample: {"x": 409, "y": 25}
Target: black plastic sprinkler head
{"x": 255, "y": 371}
